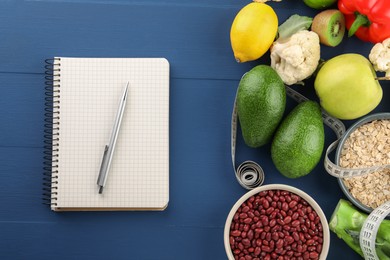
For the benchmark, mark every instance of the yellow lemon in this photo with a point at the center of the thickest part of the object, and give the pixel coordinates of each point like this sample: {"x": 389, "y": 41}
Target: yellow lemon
{"x": 253, "y": 31}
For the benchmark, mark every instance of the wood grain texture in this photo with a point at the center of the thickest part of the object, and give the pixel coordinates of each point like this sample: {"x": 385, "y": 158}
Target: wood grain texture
{"x": 194, "y": 37}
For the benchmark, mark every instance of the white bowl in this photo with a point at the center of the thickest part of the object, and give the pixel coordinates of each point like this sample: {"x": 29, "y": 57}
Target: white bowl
{"x": 300, "y": 193}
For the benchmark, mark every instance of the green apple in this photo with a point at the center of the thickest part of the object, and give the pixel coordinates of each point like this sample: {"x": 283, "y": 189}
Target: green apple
{"x": 319, "y": 4}
{"x": 347, "y": 87}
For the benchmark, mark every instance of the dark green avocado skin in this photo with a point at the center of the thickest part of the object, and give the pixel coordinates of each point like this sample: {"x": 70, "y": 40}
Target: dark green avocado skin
{"x": 299, "y": 141}
{"x": 261, "y": 101}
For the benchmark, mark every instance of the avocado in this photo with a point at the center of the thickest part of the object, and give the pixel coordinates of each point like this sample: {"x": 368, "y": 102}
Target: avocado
{"x": 299, "y": 141}
{"x": 261, "y": 100}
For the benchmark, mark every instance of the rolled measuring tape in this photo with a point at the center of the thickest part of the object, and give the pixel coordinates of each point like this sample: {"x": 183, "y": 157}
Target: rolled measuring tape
{"x": 249, "y": 174}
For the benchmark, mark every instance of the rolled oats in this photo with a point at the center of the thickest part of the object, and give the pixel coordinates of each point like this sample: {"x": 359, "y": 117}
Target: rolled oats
{"x": 368, "y": 145}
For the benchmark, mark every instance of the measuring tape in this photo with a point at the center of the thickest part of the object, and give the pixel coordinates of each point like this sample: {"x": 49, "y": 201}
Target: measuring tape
{"x": 249, "y": 174}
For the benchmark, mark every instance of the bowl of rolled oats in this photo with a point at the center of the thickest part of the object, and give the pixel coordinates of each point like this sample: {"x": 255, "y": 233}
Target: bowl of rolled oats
{"x": 366, "y": 144}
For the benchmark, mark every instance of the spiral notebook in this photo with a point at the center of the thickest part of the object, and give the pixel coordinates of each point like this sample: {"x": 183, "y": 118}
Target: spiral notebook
{"x": 81, "y": 104}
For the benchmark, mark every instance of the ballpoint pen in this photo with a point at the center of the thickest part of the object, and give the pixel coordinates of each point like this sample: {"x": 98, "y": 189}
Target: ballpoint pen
{"x": 110, "y": 147}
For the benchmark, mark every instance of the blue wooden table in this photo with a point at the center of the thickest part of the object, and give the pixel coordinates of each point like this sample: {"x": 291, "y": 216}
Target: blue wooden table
{"x": 194, "y": 37}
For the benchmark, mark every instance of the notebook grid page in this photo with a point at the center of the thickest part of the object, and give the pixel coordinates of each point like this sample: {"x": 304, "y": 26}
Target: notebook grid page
{"x": 91, "y": 89}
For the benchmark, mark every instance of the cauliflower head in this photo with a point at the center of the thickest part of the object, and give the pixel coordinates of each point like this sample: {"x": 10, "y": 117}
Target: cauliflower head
{"x": 297, "y": 57}
{"x": 380, "y": 57}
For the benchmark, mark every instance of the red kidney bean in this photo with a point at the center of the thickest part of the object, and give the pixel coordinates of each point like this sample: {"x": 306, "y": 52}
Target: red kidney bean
{"x": 236, "y": 233}
{"x": 289, "y": 239}
{"x": 295, "y": 197}
{"x": 268, "y": 237}
{"x": 275, "y": 236}
{"x": 245, "y": 209}
{"x": 247, "y": 220}
{"x": 296, "y": 254}
{"x": 246, "y": 242}
{"x": 276, "y": 228}
{"x": 269, "y": 210}
{"x": 310, "y": 242}
{"x": 257, "y": 251}
{"x": 250, "y": 234}
{"x": 272, "y": 222}
{"x": 272, "y": 244}
{"x": 294, "y": 246}
{"x": 286, "y": 219}
{"x": 313, "y": 226}
{"x": 253, "y": 243}
{"x": 236, "y": 226}
{"x": 266, "y": 249}
{"x": 302, "y": 237}
{"x": 256, "y": 204}
{"x": 263, "y": 193}
{"x": 246, "y": 228}
{"x": 311, "y": 216}
{"x": 303, "y": 228}
{"x": 295, "y": 223}
{"x": 312, "y": 232}
{"x": 292, "y": 204}
{"x": 295, "y": 235}
{"x": 279, "y": 243}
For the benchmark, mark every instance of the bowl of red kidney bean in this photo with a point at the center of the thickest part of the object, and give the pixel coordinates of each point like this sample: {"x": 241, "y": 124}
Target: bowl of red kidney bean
{"x": 276, "y": 221}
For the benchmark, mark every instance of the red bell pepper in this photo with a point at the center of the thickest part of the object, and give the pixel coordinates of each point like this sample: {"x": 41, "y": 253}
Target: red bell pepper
{"x": 369, "y": 20}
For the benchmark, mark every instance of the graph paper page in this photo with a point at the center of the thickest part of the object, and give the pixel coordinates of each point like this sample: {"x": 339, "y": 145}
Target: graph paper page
{"x": 90, "y": 92}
